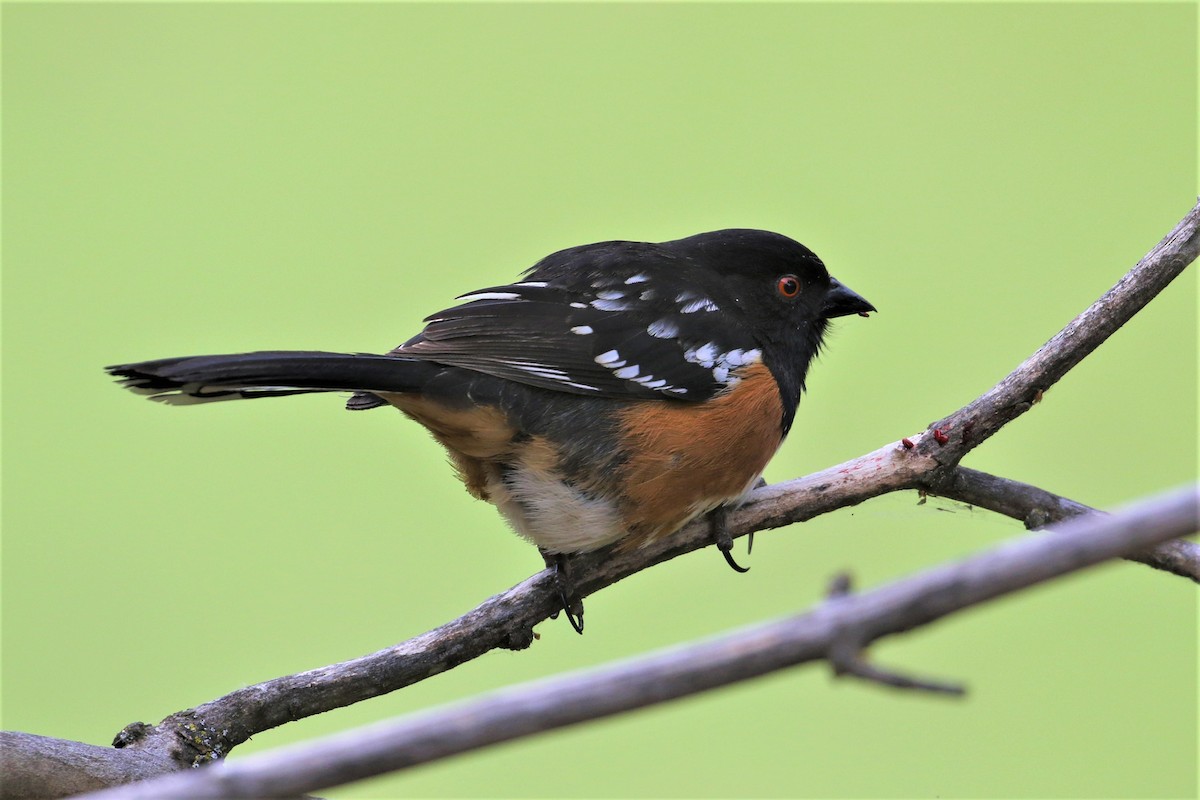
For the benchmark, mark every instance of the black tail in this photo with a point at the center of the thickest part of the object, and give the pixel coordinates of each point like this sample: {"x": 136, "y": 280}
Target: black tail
{"x": 201, "y": 379}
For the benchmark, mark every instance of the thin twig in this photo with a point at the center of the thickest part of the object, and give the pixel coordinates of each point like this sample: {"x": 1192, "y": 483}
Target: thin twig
{"x": 846, "y": 656}
{"x": 847, "y": 660}
{"x": 1038, "y": 508}
{"x": 973, "y": 424}
{"x": 567, "y": 700}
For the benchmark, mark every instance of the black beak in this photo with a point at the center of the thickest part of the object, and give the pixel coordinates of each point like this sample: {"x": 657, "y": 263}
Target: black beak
{"x": 840, "y": 301}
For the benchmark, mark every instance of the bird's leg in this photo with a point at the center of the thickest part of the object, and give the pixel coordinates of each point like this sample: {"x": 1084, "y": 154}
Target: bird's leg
{"x": 572, "y": 604}
{"x": 719, "y": 519}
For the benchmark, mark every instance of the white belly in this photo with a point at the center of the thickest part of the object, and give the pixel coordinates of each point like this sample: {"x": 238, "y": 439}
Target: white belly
{"x": 552, "y": 515}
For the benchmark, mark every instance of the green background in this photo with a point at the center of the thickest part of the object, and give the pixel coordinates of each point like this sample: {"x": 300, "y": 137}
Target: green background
{"x": 200, "y": 178}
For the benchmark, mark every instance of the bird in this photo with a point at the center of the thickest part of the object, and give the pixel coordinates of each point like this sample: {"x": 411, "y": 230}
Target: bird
{"x": 612, "y": 394}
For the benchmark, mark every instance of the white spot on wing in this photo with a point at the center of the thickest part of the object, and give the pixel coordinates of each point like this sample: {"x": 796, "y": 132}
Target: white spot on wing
{"x": 582, "y": 330}
{"x": 639, "y": 278}
{"x": 471, "y": 298}
{"x": 578, "y": 305}
{"x": 553, "y": 373}
{"x": 723, "y": 365}
{"x": 663, "y": 329}
{"x": 610, "y": 294}
{"x": 533, "y": 284}
{"x": 545, "y": 372}
{"x": 539, "y": 369}
{"x": 705, "y": 355}
{"x": 627, "y": 373}
{"x": 699, "y": 304}
{"x": 740, "y": 358}
{"x": 610, "y": 357}
{"x": 610, "y": 305}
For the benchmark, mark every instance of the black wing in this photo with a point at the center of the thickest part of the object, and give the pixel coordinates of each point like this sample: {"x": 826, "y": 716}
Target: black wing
{"x": 619, "y": 319}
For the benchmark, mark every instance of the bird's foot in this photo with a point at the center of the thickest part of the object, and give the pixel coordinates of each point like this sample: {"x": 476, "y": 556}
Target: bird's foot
{"x": 719, "y": 519}
{"x": 572, "y": 604}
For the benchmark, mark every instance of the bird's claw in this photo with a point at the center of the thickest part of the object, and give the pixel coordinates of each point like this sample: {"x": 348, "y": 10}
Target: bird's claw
{"x": 723, "y": 540}
{"x": 729, "y": 560}
{"x": 572, "y": 605}
{"x": 573, "y": 612}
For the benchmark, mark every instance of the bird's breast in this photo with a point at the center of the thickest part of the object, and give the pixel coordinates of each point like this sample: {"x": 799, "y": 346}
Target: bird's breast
{"x": 687, "y": 459}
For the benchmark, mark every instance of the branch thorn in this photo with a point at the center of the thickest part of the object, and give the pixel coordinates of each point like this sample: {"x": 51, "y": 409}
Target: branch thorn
{"x": 846, "y": 655}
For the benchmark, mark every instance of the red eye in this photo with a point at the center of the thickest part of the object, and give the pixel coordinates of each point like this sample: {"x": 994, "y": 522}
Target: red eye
{"x": 788, "y": 286}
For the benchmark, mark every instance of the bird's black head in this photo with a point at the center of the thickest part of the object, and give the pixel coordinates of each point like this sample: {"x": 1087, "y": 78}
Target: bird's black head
{"x": 772, "y": 275}
{"x": 781, "y": 287}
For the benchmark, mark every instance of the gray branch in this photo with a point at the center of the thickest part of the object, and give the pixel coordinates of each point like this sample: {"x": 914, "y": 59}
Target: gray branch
{"x": 39, "y": 766}
{"x": 557, "y": 702}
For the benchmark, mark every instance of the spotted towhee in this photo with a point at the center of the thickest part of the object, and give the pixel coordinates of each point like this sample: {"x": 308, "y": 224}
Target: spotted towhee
{"x": 616, "y": 392}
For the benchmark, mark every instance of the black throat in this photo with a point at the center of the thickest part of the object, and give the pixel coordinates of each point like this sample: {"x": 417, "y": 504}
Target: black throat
{"x": 788, "y": 358}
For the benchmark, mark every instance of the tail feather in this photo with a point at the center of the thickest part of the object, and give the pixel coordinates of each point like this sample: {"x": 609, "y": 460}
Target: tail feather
{"x": 202, "y": 379}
